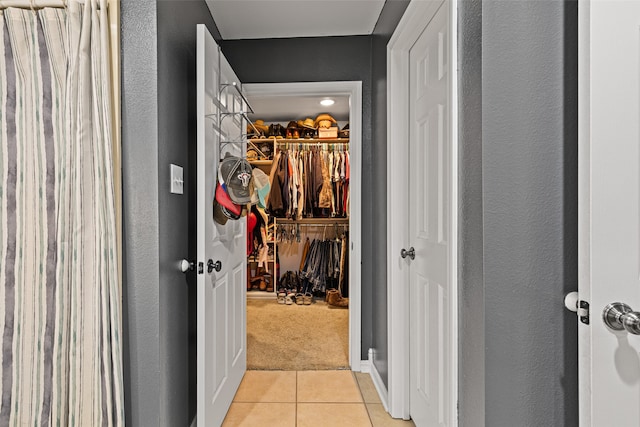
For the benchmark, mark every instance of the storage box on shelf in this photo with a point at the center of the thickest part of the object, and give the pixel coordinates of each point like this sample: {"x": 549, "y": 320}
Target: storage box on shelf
{"x": 328, "y": 133}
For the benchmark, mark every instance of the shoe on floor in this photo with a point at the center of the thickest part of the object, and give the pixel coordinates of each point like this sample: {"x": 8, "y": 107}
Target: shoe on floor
{"x": 290, "y": 298}
{"x": 336, "y": 299}
{"x": 307, "y": 298}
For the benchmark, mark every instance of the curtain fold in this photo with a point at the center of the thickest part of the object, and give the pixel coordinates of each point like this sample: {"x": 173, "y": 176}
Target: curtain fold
{"x": 61, "y": 350}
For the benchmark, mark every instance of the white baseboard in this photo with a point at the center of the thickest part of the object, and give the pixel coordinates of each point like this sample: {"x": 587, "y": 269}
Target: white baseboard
{"x": 378, "y": 383}
{"x": 365, "y": 367}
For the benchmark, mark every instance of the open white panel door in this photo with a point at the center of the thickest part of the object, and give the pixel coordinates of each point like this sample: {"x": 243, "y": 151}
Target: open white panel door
{"x": 221, "y": 260}
{"x": 609, "y": 218}
{"x": 429, "y": 225}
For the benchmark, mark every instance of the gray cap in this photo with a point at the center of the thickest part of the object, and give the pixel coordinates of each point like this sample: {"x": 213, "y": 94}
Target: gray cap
{"x": 235, "y": 174}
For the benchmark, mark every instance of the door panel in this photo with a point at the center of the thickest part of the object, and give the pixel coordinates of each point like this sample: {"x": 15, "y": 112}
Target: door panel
{"x": 429, "y": 228}
{"x": 609, "y": 366}
{"x": 221, "y": 349}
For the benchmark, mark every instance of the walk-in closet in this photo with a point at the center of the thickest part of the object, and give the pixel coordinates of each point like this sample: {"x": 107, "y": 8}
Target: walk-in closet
{"x": 298, "y": 282}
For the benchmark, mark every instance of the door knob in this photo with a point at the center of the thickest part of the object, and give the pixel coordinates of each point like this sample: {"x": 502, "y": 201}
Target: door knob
{"x": 619, "y": 316}
{"x": 186, "y": 265}
{"x": 411, "y": 253}
{"x": 217, "y": 266}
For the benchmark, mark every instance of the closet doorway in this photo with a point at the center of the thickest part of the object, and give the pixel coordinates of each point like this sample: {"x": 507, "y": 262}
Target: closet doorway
{"x": 352, "y": 92}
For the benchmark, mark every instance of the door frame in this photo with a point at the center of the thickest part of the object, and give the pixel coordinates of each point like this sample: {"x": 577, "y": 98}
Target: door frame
{"x": 353, "y": 89}
{"x": 584, "y": 207}
{"x": 412, "y": 24}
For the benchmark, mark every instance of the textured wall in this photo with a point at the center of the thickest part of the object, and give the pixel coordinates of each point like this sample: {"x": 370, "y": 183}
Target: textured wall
{"x": 141, "y": 295}
{"x": 529, "y": 201}
{"x": 470, "y": 275}
{"x": 158, "y": 66}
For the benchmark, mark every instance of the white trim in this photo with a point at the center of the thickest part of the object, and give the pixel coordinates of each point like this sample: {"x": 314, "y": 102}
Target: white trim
{"x": 584, "y": 208}
{"x": 413, "y": 22}
{"x": 379, "y": 384}
{"x": 353, "y": 89}
{"x": 397, "y": 296}
{"x": 453, "y": 256}
{"x": 365, "y": 366}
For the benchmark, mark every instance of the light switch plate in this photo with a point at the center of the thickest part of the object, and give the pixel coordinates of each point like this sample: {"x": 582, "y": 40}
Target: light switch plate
{"x": 177, "y": 181}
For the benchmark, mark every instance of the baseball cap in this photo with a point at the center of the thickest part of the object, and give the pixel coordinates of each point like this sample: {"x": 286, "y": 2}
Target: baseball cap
{"x": 261, "y": 187}
{"x": 223, "y": 208}
{"x": 235, "y": 175}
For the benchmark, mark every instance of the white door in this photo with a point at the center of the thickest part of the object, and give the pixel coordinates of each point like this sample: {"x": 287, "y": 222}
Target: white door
{"x": 429, "y": 227}
{"x": 221, "y": 349}
{"x": 609, "y": 218}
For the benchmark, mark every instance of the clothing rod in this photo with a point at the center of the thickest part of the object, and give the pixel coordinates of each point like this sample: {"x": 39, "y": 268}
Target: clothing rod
{"x": 315, "y": 220}
{"x": 36, "y": 4}
{"x": 316, "y": 224}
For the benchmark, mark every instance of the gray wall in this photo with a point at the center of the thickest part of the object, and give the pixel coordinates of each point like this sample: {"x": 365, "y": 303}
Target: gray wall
{"x": 529, "y": 192}
{"x": 141, "y": 272}
{"x": 470, "y": 216}
{"x": 159, "y": 117}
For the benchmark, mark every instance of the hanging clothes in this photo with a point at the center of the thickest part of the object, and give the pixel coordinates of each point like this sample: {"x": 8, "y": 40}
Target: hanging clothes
{"x": 305, "y": 252}
{"x": 308, "y": 182}
{"x": 322, "y": 266}
{"x": 276, "y": 202}
{"x": 343, "y": 281}
{"x": 326, "y": 194}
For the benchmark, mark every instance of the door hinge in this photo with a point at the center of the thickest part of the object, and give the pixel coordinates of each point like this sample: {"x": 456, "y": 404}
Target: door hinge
{"x": 583, "y": 312}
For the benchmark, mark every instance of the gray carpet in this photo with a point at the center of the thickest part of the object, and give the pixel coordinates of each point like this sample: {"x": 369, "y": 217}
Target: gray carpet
{"x": 296, "y": 337}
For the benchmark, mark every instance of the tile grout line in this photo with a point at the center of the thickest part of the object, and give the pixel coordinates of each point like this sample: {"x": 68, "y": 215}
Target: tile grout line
{"x": 366, "y": 408}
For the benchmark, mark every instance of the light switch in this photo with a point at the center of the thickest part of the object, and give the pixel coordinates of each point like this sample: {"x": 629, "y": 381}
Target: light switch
{"x": 177, "y": 183}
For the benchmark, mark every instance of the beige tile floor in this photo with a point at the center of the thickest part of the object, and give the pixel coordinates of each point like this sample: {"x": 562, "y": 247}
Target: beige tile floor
{"x": 308, "y": 399}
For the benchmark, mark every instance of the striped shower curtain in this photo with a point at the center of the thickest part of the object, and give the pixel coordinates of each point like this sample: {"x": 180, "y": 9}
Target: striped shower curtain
{"x": 60, "y": 338}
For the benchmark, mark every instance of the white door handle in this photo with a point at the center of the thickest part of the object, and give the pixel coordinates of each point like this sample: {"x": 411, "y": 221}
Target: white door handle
{"x": 186, "y": 265}
{"x": 571, "y": 301}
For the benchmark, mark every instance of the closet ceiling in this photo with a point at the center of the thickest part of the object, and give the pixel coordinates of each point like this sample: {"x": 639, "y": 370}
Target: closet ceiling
{"x": 284, "y": 108}
{"x": 265, "y": 19}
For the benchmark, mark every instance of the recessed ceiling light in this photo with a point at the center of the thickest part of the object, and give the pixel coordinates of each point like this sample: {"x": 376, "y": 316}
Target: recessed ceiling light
{"x": 327, "y": 102}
